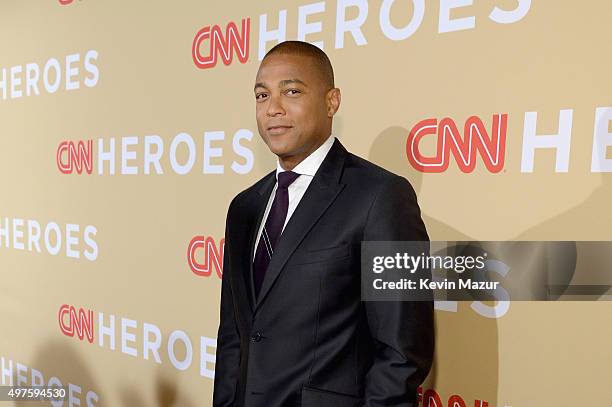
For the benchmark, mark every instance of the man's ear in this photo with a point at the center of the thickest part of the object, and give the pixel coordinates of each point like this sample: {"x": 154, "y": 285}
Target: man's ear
{"x": 332, "y": 99}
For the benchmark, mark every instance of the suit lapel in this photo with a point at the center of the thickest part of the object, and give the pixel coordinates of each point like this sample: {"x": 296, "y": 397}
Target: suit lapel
{"x": 322, "y": 191}
{"x": 245, "y": 252}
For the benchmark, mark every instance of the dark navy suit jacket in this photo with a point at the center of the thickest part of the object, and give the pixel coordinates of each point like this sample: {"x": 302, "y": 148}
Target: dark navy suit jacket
{"x": 308, "y": 340}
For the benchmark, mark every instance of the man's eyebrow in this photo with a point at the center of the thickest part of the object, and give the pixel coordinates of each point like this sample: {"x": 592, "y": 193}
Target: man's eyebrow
{"x": 286, "y": 82}
{"x": 282, "y": 83}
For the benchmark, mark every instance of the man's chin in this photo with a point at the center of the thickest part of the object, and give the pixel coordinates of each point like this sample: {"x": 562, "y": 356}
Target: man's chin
{"x": 282, "y": 154}
{"x": 280, "y": 149}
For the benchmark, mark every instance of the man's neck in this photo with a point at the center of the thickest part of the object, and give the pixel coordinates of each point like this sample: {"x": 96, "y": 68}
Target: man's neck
{"x": 289, "y": 163}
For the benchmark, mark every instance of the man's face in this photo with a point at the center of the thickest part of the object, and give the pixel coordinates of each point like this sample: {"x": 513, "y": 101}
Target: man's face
{"x": 293, "y": 106}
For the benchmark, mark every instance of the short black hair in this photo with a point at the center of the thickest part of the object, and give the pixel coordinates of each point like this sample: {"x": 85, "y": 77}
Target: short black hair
{"x": 319, "y": 58}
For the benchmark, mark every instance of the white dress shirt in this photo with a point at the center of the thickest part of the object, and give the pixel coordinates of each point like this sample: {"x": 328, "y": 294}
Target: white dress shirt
{"x": 307, "y": 169}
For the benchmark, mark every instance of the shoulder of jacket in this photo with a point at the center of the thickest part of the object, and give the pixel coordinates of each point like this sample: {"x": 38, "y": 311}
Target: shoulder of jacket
{"x": 359, "y": 168}
{"x": 244, "y": 194}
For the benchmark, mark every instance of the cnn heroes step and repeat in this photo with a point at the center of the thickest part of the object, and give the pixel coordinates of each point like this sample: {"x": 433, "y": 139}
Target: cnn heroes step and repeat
{"x": 128, "y": 127}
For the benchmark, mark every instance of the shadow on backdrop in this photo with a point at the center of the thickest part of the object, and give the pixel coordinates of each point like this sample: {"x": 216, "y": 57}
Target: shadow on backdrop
{"x": 467, "y": 344}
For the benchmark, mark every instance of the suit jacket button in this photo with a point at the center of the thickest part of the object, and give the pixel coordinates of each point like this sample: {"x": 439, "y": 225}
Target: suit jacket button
{"x": 256, "y": 337}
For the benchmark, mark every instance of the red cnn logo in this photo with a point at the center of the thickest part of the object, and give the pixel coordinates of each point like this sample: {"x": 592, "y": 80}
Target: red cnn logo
{"x": 211, "y": 256}
{"x": 70, "y": 156}
{"x": 475, "y": 139}
{"x": 431, "y": 398}
{"x": 224, "y": 46}
{"x": 82, "y": 322}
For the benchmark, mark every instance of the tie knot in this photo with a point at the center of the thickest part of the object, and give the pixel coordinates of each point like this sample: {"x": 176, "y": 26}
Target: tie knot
{"x": 285, "y": 178}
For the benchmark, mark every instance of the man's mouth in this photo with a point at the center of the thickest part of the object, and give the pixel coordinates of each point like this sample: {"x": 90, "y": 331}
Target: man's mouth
{"x": 278, "y": 129}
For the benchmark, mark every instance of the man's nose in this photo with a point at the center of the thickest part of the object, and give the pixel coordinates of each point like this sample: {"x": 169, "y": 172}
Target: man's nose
{"x": 275, "y": 106}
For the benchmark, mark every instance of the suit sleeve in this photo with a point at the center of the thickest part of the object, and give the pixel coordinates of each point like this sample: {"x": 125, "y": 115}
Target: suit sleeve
{"x": 227, "y": 364}
{"x": 402, "y": 331}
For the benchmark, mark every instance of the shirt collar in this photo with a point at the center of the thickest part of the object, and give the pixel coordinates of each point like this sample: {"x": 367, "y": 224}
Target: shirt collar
{"x": 310, "y": 165}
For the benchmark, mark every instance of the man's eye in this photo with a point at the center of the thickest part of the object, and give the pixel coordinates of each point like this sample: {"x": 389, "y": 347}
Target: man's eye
{"x": 260, "y": 94}
{"x": 293, "y": 91}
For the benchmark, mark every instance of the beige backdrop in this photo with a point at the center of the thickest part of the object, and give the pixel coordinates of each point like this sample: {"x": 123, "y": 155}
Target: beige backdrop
{"x": 139, "y": 85}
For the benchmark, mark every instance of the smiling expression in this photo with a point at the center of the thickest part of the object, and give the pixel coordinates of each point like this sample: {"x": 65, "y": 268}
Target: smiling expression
{"x": 294, "y": 107}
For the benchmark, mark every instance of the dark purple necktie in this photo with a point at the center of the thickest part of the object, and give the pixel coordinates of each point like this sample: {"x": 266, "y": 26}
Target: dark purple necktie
{"x": 273, "y": 228}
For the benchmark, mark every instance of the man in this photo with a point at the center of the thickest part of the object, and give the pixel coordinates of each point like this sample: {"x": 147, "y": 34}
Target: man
{"x": 293, "y": 328}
